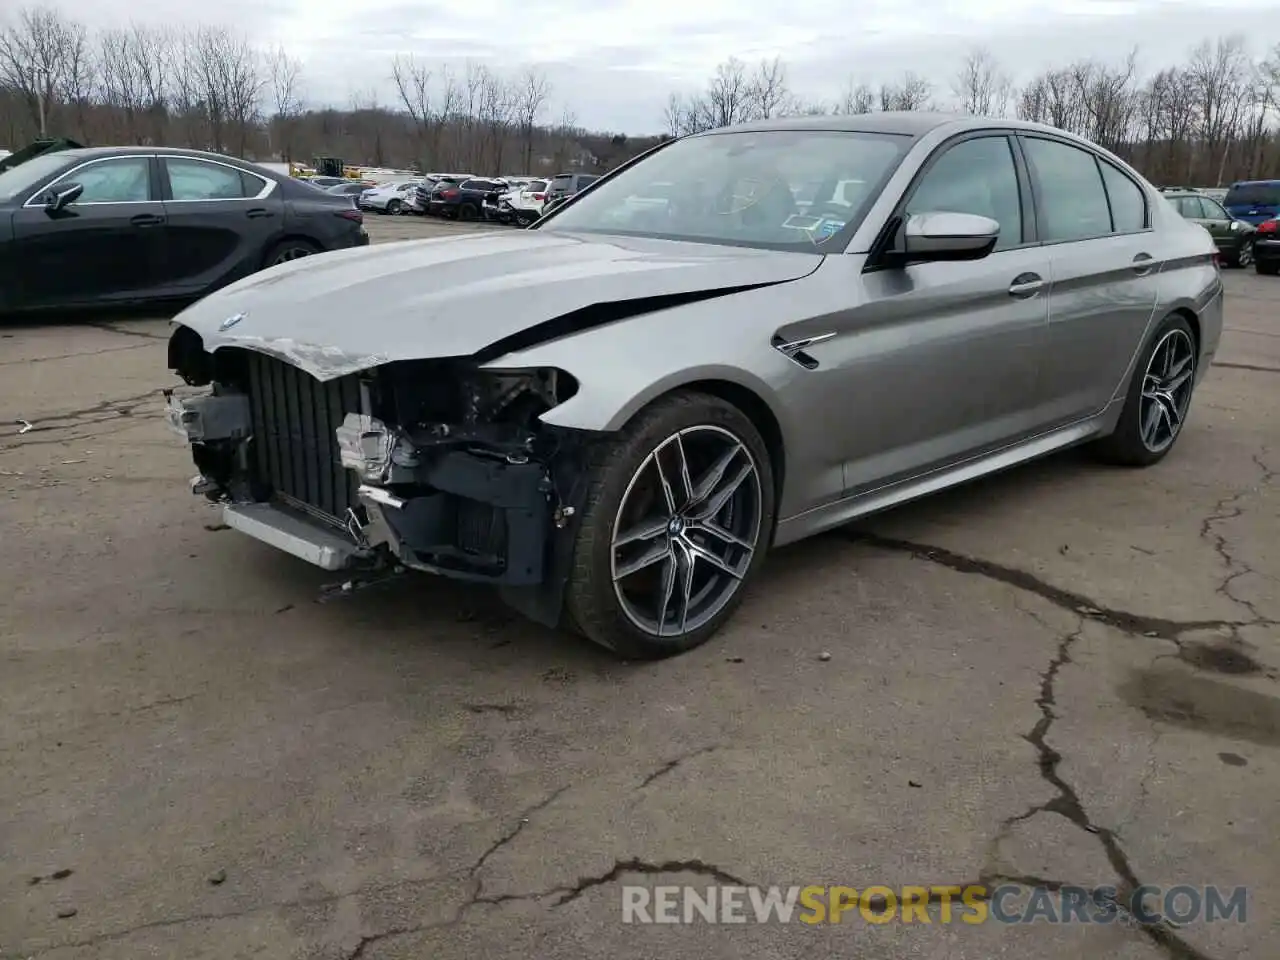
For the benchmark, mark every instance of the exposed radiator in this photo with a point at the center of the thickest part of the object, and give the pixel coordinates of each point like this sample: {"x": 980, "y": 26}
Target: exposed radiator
{"x": 294, "y": 419}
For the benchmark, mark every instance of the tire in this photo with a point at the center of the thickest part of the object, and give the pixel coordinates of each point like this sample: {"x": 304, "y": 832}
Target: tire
{"x": 1143, "y": 435}
{"x": 393, "y": 207}
{"x": 467, "y": 212}
{"x": 287, "y": 250}
{"x": 1268, "y": 269}
{"x": 1244, "y": 256}
{"x": 699, "y": 431}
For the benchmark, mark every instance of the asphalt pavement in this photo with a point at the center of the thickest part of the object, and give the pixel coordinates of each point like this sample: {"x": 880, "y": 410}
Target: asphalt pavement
{"x": 1063, "y": 675}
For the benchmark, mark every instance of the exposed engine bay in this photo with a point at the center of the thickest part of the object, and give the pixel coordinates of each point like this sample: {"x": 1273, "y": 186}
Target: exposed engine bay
{"x": 437, "y": 465}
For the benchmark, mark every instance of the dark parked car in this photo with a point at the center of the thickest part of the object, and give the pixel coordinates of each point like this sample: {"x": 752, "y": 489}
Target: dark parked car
{"x": 113, "y": 224}
{"x": 1266, "y": 248}
{"x": 465, "y": 200}
{"x": 1253, "y": 201}
{"x": 429, "y": 185}
{"x": 565, "y": 185}
{"x": 1234, "y": 237}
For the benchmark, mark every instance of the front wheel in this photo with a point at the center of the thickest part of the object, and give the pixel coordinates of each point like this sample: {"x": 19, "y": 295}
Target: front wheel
{"x": 678, "y": 516}
{"x": 1159, "y": 396}
{"x": 394, "y": 208}
{"x": 1269, "y": 269}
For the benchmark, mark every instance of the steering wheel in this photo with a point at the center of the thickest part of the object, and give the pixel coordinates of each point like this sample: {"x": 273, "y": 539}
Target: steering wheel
{"x": 747, "y": 192}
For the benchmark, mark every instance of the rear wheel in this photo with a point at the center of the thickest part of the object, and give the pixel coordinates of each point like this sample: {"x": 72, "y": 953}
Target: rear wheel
{"x": 287, "y": 250}
{"x": 678, "y": 516}
{"x": 1244, "y": 256}
{"x": 468, "y": 212}
{"x": 1158, "y": 399}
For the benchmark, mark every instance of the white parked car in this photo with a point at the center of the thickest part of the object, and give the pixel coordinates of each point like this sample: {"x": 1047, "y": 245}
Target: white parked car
{"x": 392, "y": 198}
{"x": 525, "y": 203}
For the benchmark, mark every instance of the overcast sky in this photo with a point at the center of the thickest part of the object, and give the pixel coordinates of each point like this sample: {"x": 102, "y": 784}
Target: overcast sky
{"x": 614, "y": 62}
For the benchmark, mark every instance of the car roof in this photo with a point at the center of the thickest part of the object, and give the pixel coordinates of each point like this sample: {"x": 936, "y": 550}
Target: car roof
{"x": 93, "y": 153}
{"x": 1255, "y": 183}
{"x": 910, "y": 123}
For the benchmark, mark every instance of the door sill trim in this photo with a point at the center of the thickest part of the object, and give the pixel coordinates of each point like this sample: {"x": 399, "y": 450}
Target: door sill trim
{"x": 847, "y": 509}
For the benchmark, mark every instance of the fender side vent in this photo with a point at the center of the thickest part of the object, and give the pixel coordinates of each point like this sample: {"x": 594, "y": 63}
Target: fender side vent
{"x": 794, "y": 350}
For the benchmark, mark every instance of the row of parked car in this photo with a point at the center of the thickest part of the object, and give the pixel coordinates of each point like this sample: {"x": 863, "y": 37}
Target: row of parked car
{"x": 464, "y": 196}
{"x": 1244, "y": 222}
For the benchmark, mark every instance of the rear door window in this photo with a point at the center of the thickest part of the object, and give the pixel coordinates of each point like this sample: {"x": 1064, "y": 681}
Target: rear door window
{"x": 1072, "y": 200}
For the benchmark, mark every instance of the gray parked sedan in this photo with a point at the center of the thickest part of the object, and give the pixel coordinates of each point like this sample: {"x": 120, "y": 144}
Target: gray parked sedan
{"x": 613, "y": 415}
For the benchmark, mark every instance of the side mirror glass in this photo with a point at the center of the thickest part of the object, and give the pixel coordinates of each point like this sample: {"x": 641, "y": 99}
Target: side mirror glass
{"x": 947, "y": 236}
{"x": 62, "y": 196}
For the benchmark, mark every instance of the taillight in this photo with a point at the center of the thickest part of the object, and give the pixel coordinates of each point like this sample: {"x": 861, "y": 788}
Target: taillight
{"x": 539, "y": 196}
{"x": 1269, "y": 226}
{"x": 448, "y": 194}
{"x": 354, "y": 215}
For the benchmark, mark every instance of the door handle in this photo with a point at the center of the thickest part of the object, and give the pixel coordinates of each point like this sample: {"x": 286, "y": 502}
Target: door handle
{"x": 1026, "y": 285}
{"x": 146, "y": 220}
{"x": 258, "y": 212}
{"x": 1143, "y": 264}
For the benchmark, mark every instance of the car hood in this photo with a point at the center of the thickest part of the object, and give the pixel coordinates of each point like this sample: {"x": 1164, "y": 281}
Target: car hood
{"x": 349, "y": 310}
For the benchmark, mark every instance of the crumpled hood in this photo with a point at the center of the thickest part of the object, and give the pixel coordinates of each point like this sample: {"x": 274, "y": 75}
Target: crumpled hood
{"x": 341, "y": 312}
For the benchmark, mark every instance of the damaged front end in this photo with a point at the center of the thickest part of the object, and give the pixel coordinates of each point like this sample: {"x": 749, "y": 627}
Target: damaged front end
{"x": 435, "y": 465}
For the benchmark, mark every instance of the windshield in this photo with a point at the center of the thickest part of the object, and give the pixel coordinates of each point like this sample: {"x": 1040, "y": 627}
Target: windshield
{"x": 777, "y": 189}
{"x": 24, "y": 176}
{"x": 1254, "y": 195}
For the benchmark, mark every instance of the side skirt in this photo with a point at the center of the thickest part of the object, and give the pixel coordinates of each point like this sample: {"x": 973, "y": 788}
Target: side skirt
{"x": 843, "y": 511}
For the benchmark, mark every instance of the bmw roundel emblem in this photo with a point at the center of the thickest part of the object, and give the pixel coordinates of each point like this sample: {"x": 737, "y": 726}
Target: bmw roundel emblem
{"x": 230, "y": 322}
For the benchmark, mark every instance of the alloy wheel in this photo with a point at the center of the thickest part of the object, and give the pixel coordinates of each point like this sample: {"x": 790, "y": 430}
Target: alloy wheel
{"x": 686, "y": 530}
{"x": 1245, "y": 257}
{"x": 290, "y": 253}
{"x": 1166, "y": 390}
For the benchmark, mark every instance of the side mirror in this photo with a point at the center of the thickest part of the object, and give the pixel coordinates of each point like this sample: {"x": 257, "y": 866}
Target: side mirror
{"x": 64, "y": 195}
{"x": 947, "y": 236}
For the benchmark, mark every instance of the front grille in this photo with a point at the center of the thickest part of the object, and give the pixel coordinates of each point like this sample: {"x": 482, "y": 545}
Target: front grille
{"x": 295, "y": 449}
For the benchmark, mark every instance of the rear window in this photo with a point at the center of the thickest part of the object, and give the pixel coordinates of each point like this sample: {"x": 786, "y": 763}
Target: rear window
{"x": 562, "y": 183}
{"x": 537, "y": 185}
{"x": 1254, "y": 195}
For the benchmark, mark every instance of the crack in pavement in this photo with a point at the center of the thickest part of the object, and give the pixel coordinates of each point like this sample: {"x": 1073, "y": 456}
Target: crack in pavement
{"x": 1123, "y": 620}
{"x": 1228, "y": 508}
{"x": 1066, "y": 802}
{"x": 109, "y": 327}
{"x": 115, "y": 409}
{"x": 72, "y": 356}
{"x": 1245, "y": 366}
{"x": 670, "y": 765}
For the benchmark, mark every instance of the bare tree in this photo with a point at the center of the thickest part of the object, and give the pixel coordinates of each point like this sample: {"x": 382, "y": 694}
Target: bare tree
{"x": 413, "y": 84}
{"x": 980, "y": 86}
{"x": 286, "y": 83}
{"x": 767, "y": 90}
{"x": 914, "y": 92}
{"x": 856, "y": 98}
{"x": 495, "y": 109}
{"x": 673, "y": 115}
{"x": 530, "y": 100}
{"x": 43, "y": 58}
{"x": 728, "y": 97}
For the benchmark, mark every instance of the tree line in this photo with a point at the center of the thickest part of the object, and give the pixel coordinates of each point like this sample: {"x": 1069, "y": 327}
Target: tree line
{"x": 211, "y": 88}
{"x": 1208, "y": 121}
